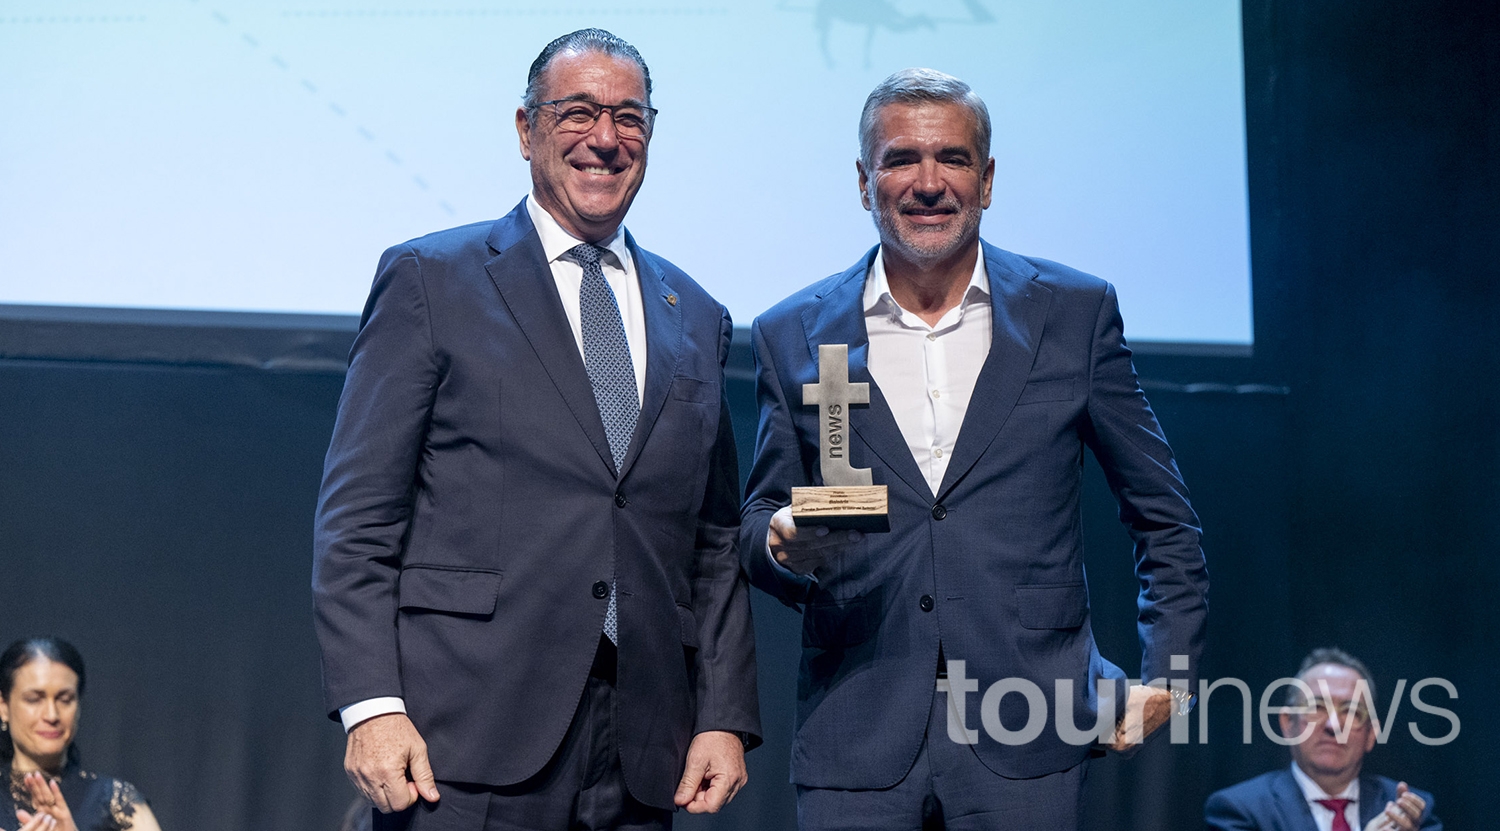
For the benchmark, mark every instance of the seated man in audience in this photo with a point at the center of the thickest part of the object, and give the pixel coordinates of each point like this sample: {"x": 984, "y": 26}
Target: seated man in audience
{"x": 1323, "y": 789}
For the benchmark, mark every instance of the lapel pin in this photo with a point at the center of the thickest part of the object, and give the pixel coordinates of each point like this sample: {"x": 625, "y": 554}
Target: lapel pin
{"x": 671, "y": 300}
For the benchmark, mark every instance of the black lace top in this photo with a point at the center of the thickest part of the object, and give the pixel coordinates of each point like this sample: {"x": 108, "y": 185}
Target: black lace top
{"x": 98, "y": 803}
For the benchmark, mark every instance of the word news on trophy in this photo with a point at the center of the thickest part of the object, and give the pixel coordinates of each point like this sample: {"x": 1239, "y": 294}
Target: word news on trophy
{"x": 848, "y": 498}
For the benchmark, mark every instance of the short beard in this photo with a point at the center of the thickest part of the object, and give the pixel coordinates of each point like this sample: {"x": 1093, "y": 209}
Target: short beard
{"x": 927, "y": 256}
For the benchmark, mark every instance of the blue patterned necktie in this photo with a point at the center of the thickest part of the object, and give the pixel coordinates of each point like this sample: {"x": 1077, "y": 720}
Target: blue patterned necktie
{"x": 606, "y": 355}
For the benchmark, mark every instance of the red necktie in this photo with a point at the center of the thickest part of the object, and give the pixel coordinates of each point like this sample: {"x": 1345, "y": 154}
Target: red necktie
{"x": 1337, "y": 807}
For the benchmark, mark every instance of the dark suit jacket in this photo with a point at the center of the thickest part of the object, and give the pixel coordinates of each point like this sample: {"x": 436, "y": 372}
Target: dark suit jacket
{"x": 998, "y": 548}
{"x": 470, "y": 512}
{"x": 1273, "y": 802}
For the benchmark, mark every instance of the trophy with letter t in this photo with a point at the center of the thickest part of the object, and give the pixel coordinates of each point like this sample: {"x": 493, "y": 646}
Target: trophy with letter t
{"x": 848, "y": 498}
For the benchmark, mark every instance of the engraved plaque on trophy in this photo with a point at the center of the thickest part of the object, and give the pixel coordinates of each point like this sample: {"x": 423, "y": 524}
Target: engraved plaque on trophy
{"x": 848, "y": 498}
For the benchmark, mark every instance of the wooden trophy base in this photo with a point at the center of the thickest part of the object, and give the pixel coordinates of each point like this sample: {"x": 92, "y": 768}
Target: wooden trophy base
{"x": 860, "y": 508}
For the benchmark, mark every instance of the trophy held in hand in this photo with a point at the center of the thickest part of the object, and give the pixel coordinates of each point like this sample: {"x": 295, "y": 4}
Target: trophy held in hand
{"x": 848, "y": 497}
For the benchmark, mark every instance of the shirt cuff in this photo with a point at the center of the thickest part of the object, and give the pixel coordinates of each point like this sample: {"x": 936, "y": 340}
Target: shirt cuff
{"x": 362, "y": 711}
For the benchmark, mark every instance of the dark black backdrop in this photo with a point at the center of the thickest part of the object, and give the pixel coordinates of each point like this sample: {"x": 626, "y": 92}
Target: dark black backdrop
{"x": 157, "y": 511}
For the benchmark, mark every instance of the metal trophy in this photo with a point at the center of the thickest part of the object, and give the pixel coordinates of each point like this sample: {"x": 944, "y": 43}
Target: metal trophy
{"x": 848, "y": 497}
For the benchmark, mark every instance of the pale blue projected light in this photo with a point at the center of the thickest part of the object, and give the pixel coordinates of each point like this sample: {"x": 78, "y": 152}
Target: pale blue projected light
{"x": 223, "y": 154}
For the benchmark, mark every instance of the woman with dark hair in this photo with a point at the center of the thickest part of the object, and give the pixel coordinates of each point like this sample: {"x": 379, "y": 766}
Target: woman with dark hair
{"x": 41, "y": 685}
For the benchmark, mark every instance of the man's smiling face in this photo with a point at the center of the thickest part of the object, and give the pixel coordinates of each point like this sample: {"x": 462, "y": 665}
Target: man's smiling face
{"x": 928, "y": 183}
{"x": 586, "y": 181}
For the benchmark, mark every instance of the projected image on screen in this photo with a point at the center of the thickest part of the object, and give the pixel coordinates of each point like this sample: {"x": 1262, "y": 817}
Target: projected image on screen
{"x": 230, "y": 155}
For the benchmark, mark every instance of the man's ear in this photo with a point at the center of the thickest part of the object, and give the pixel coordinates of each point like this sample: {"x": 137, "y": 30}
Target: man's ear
{"x": 523, "y": 128}
{"x": 987, "y": 183}
{"x": 864, "y": 184}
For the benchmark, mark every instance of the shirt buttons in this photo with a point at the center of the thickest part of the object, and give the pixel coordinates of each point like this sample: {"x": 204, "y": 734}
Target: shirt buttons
{"x": 932, "y": 335}
{"x": 937, "y": 394}
{"x": 938, "y": 452}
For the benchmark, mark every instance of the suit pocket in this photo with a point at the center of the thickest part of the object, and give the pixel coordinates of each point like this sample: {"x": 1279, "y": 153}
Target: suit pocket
{"x": 453, "y": 590}
{"x": 1056, "y": 389}
{"x": 836, "y": 624}
{"x": 689, "y": 623}
{"x": 694, "y": 391}
{"x": 1054, "y": 606}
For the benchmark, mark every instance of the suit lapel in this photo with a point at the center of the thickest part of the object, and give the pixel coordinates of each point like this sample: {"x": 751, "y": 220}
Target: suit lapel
{"x": 663, "y": 347}
{"x": 1019, "y": 313}
{"x": 520, "y": 272}
{"x": 839, "y": 317}
{"x": 1371, "y": 801}
{"x": 1291, "y": 804}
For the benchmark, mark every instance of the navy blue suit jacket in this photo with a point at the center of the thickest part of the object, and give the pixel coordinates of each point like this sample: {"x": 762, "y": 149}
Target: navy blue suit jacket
{"x": 470, "y": 509}
{"x": 999, "y": 547}
{"x": 1273, "y": 802}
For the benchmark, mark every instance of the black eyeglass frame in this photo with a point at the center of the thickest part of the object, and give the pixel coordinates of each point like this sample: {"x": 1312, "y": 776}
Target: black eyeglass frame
{"x": 649, "y": 112}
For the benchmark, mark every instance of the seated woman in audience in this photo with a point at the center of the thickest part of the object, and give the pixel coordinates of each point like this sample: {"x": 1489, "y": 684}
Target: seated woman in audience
{"x": 41, "y": 684}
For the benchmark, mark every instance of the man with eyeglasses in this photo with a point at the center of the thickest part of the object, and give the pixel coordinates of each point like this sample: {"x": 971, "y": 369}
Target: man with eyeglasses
{"x": 526, "y": 586}
{"x": 1325, "y": 788}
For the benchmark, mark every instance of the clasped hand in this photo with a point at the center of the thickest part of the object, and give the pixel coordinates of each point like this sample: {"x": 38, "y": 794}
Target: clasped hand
{"x": 52, "y": 812}
{"x": 1403, "y": 814}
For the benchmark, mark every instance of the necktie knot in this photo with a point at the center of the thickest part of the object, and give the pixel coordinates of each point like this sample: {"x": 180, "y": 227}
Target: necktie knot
{"x": 1337, "y": 806}
{"x": 586, "y": 254}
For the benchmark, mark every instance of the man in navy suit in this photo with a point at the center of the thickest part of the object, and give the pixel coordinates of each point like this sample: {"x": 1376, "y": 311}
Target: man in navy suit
{"x": 1325, "y": 789}
{"x": 526, "y": 585}
{"x": 988, "y": 373}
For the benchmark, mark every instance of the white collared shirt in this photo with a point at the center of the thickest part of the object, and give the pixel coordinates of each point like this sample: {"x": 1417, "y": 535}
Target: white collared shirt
{"x": 927, "y": 373}
{"x": 1322, "y": 816}
{"x": 619, "y": 272}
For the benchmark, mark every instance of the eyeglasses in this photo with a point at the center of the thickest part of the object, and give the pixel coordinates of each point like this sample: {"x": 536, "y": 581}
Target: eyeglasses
{"x": 578, "y": 116}
{"x": 1319, "y": 711}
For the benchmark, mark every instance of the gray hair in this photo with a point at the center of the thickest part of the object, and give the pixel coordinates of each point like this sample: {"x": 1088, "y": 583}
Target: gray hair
{"x": 1330, "y": 655}
{"x": 581, "y": 41}
{"x": 922, "y": 86}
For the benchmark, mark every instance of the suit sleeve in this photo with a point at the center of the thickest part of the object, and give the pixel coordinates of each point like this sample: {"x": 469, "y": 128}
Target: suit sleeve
{"x": 1430, "y": 822}
{"x": 369, "y": 479}
{"x": 1138, "y": 464}
{"x": 726, "y": 679}
{"x": 1222, "y": 814}
{"x": 778, "y": 468}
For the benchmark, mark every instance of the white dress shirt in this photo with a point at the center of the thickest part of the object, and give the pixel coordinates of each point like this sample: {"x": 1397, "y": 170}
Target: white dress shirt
{"x": 927, "y": 373}
{"x": 619, "y": 272}
{"x": 1322, "y": 816}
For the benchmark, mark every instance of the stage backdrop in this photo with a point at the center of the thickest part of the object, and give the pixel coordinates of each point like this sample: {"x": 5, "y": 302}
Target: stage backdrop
{"x": 310, "y": 135}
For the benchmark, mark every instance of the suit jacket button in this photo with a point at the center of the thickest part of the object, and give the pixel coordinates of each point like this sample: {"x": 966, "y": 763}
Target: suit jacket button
{"x": 601, "y": 590}
{"x": 939, "y": 512}
{"x": 926, "y": 603}
{"x": 620, "y": 500}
